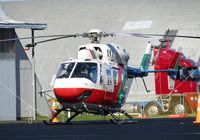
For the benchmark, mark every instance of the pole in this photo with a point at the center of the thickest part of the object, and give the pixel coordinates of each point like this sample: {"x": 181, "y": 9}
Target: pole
{"x": 33, "y": 73}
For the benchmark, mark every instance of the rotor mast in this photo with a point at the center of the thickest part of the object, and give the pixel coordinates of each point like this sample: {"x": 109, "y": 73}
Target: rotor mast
{"x": 94, "y": 35}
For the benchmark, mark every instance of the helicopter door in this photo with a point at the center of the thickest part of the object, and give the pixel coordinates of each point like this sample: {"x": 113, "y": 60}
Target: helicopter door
{"x": 109, "y": 80}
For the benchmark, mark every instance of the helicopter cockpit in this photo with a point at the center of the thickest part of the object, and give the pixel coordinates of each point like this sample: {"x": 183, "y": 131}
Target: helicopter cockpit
{"x": 86, "y": 70}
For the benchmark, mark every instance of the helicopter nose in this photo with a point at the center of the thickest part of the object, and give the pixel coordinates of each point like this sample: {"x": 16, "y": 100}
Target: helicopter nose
{"x": 72, "y": 94}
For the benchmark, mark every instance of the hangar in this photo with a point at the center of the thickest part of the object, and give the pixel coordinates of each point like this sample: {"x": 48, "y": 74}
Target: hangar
{"x": 16, "y": 82}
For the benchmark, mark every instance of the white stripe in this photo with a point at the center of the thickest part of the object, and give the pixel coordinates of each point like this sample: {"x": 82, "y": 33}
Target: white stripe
{"x": 76, "y": 83}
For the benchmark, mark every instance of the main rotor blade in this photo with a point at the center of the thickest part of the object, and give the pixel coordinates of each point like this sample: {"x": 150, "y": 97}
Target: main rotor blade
{"x": 25, "y": 38}
{"x": 102, "y": 34}
{"x": 132, "y": 35}
{"x": 53, "y": 39}
{"x": 153, "y": 35}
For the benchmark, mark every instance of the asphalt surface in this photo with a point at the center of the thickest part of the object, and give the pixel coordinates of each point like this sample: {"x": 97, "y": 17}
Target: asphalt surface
{"x": 154, "y": 129}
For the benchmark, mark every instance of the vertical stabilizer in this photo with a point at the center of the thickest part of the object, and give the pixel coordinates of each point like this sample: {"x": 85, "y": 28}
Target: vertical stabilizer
{"x": 146, "y": 57}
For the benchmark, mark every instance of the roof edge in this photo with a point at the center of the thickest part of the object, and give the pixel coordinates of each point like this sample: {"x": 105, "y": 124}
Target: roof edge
{"x": 36, "y": 26}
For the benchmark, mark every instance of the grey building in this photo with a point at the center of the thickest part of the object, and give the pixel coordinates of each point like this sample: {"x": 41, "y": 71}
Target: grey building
{"x": 18, "y": 99}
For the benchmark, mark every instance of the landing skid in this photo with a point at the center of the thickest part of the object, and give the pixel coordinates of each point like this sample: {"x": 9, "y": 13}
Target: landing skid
{"x": 50, "y": 122}
{"x": 106, "y": 111}
{"x": 118, "y": 119}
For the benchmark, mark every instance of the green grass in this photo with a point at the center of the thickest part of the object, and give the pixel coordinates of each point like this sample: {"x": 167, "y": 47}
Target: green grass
{"x": 40, "y": 118}
{"x": 89, "y": 117}
{"x": 81, "y": 117}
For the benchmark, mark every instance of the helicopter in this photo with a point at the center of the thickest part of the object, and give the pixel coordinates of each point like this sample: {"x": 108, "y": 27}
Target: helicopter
{"x": 96, "y": 81}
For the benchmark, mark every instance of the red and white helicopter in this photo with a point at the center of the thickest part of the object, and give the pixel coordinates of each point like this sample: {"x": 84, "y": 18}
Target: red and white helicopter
{"x": 96, "y": 81}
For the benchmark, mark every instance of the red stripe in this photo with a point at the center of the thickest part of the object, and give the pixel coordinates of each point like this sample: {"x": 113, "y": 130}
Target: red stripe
{"x": 90, "y": 53}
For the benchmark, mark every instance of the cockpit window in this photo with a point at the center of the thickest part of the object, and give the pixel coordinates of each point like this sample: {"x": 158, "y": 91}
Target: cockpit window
{"x": 85, "y": 70}
{"x": 65, "y": 70}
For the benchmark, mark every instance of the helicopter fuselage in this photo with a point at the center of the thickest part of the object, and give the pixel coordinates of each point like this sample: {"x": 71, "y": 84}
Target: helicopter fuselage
{"x": 95, "y": 78}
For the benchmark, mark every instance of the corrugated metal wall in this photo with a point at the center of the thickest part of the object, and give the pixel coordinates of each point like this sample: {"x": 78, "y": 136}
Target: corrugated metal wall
{"x": 7, "y": 89}
{"x": 27, "y": 107}
{"x": 16, "y": 89}
{"x": 24, "y": 83}
{"x": 7, "y": 77}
